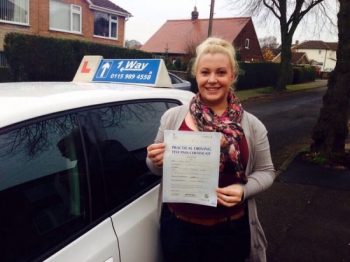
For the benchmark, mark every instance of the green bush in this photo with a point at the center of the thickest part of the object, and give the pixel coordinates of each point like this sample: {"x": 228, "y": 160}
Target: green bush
{"x": 178, "y": 63}
{"x": 302, "y": 74}
{"x": 254, "y": 75}
{"x": 5, "y": 74}
{"x": 190, "y": 77}
{"x": 37, "y": 58}
{"x": 250, "y": 76}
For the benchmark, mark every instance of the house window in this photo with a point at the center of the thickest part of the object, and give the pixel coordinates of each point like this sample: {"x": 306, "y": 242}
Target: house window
{"x": 105, "y": 25}
{"x": 3, "y": 61}
{"x": 246, "y": 45}
{"x": 66, "y": 17}
{"x": 14, "y": 11}
{"x": 319, "y": 51}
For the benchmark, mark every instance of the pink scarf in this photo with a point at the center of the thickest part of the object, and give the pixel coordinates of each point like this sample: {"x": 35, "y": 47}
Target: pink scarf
{"x": 229, "y": 124}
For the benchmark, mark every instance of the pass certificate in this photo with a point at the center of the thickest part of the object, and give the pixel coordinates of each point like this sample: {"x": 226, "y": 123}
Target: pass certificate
{"x": 191, "y": 167}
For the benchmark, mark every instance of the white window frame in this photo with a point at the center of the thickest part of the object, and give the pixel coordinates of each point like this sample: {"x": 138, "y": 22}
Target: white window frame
{"x": 111, "y": 21}
{"x": 74, "y": 10}
{"x": 20, "y": 3}
{"x": 246, "y": 44}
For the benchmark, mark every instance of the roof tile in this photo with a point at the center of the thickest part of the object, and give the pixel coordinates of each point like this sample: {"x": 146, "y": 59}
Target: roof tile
{"x": 108, "y": 4}
{"x": 317, "y": 44}
{"x": 297, "y": 56}
{"x": 174, "y": 35}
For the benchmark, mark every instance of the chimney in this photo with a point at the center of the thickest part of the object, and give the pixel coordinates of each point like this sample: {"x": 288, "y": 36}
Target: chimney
{"x": 194, "y": 14}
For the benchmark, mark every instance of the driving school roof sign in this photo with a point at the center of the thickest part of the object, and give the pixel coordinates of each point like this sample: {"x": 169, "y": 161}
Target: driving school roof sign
{"x": 151, "y": 72}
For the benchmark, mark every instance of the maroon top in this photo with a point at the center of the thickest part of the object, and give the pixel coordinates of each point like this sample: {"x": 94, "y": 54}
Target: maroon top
{"x": 225, "y": 178}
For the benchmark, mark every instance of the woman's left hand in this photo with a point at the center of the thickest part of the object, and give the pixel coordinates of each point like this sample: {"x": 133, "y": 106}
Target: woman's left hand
{"x": 230, "y": 195}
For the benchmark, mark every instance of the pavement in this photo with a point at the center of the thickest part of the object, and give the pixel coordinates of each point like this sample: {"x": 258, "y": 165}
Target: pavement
{"x": 306, "y": 212}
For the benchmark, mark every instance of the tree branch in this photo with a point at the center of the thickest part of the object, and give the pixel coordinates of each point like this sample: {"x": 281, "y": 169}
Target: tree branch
{"x": 303, "y": 13}
{"x": 271, "y": 8}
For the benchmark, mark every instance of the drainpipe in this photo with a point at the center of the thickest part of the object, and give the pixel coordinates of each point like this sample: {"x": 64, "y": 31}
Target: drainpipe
{"x": 324, "y": 62}
{"x": 126, "y": 19}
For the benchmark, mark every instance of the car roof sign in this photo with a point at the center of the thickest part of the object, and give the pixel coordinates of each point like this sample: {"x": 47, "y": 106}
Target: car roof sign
{"x": 87, "y": 68}
{"x": 150, "y": 72}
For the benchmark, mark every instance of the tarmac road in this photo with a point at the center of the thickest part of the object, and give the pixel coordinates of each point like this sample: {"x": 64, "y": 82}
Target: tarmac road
{"x": 302, "y": 221}
{"x": 289, "y": 119}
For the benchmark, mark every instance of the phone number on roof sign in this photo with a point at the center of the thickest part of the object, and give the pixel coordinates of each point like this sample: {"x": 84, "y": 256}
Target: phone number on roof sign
{"x": 142, "y": 71}
{"x": 131, "y": 76}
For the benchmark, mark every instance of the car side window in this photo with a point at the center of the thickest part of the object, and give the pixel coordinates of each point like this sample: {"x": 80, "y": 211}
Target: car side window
{"x": 174, "y": 79}
{"x": 172, "y": 104}
{"x": 43, "y": 187}
{"x": 125, "y": 131}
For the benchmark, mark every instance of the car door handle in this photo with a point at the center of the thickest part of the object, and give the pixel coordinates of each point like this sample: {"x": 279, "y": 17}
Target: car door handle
{"x": 109, "y": 259}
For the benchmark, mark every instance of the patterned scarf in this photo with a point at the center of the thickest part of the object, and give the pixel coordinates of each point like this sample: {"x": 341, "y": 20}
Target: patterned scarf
{"x": 229, "y": 124}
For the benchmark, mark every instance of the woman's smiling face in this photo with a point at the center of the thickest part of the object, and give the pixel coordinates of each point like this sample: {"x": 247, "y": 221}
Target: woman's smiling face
{"x": 214, "y": 76}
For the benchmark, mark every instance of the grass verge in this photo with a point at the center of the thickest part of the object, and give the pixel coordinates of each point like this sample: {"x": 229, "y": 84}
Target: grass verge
{"x": 263, "y": 91}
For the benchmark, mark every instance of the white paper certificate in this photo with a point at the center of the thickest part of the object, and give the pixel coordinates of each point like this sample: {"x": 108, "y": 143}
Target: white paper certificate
{"x": 191, "y": 167}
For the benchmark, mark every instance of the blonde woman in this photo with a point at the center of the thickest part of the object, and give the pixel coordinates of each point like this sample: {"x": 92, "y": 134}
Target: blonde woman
{"x": 231, "y": 231}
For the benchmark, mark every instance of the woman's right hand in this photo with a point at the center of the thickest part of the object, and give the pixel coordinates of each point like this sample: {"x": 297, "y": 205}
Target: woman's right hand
{"x": 155, "y": 153}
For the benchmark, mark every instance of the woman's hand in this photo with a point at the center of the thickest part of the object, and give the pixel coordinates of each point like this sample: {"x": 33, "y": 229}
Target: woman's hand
{"x": 155, "y": 153}
{"x": 231, "y": 195}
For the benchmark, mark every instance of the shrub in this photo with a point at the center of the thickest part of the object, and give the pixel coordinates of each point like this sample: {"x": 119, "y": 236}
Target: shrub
{"x": 250, "y": 75}
{"x": 38, "y": 58}
{"x": 5, "y": 74}
{"x": 302, "y": 74}
{"x": 254, "y": 75}
{"x": 191, "y": 78}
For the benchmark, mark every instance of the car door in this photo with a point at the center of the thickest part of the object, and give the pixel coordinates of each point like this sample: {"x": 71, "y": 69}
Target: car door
{"x": 125, "y": 130}
{"x": 52, "y": 207}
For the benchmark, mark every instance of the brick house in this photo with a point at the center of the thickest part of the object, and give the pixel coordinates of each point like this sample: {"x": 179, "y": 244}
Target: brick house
{"x": 298, "y": 58}
{"x": 176, "y": 37}
{"x": 94, "y": 20}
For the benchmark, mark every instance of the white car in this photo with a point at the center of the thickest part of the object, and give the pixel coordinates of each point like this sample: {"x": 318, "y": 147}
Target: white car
{"x": 74, "y": 185}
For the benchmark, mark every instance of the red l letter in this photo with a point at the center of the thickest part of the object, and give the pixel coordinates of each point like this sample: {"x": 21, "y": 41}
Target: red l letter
{"x": 85, "y": 69}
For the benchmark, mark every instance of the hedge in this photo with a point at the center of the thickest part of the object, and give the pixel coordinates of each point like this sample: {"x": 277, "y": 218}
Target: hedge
{"x": 262, "y": 74}
{"x": 4, "y": 74}
{"x": 250, "y": 76}
{"x": 38, "y": 58}
{"x": 303, "y": 74}
{"x": 259, "y": 74}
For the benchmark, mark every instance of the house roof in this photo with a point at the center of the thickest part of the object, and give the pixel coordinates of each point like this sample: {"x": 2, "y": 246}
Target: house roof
{"x": 297, "y": 56}
{"x": 174, "y": 35}
{"x": 276, "y": 51}
{"x": 108, "y": 5}
{"x": 318, "y": 44}
{"x": 332, "y": 45}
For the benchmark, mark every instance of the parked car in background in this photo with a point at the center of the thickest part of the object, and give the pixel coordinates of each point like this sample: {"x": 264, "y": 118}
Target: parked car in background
{"x": 328, "y": 70}
{"x": 324, "y": 74}
{"x": 179, "y": 83}
{"x": 74, "y": 184}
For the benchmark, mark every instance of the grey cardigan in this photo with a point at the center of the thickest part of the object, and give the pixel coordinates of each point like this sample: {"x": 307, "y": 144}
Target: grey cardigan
{"x": 260, "y": 170}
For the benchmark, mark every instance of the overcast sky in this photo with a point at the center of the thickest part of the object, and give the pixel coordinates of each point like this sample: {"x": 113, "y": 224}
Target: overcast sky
{"x": 149, "y": 15}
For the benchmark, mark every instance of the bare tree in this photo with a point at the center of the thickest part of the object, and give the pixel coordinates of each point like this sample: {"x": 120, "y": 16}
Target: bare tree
{"x": 189, "y": 48}
{"x": 289, "y": 14}
{"x": 268, "y": 42}
{"x": 331, "y": 130}
{"x": 32, "y": 140}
